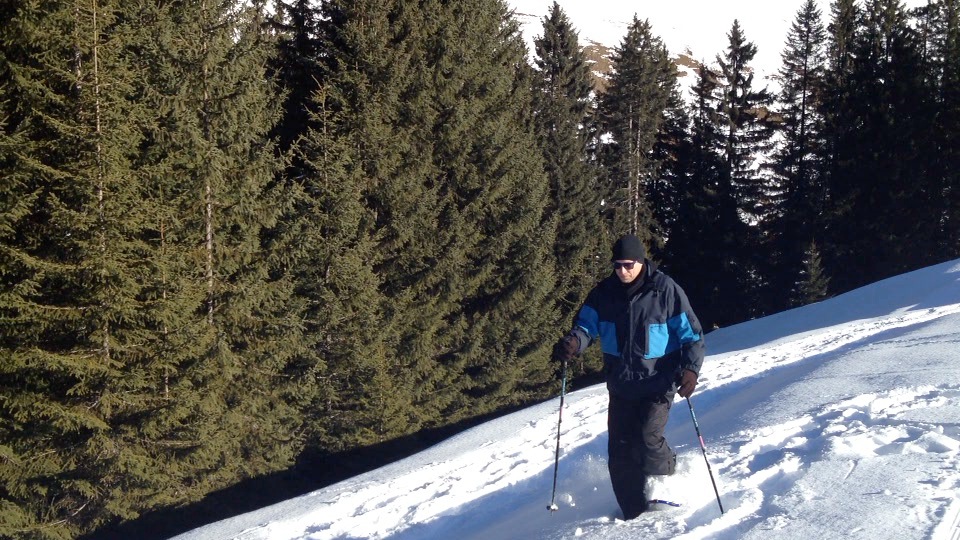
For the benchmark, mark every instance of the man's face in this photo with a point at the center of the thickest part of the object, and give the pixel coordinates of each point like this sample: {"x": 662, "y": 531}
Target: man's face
{"x": 627, "y": 270}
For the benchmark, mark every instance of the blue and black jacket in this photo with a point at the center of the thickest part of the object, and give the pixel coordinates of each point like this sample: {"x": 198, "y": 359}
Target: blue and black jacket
{"x": 647, "y": 331}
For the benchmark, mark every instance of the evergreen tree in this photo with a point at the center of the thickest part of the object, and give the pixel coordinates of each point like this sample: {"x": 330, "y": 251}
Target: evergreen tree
{"x": 797, "y": 161}
{"x": 729, "y": 191}
{"x": 879, "y": 166}
{"x": 839, "y": 123}
{"x": 424, "y": 125}
{"x": 745, "y": 128}
{"x": 487, "y": 150}
{"x": 214, "y": 165}
{"x": 811, "y": 285}
{"x": 563, "y": 103}
{"x": 672, "y": 152}
{"x": 838, "y": 91}
{"x": 700, "y": 241}
{"x": 296, "y": 67}
{"x": 633, "y": 109}
{"x": 945, "y": 67}
{"x": 349, "y": 152}
{"x": 73, "y": 288}
{"x": 147, "y": 319}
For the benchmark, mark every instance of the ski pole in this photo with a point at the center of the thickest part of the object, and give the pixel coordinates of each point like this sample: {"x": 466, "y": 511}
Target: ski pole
{"x": 703, "y": 447}
{"x": 556, "y": 462}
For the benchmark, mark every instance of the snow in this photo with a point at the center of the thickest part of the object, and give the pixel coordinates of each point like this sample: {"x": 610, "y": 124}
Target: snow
{"x": 835, "y": 420}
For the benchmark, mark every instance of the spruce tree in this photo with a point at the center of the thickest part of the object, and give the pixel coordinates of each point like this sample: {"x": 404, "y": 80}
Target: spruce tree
{"x": 729, "y": 133}
{"x": 73, "y": 293}
{"x": 640, "y": 88}
{"x": 811, "y": 285}
{"x": 702, "y": 241}
{"x": 433, "y": 184}
{"x": 676, "y": 190}
{"x": 374, "y": 193}
{"x": 143, "y": 374}
{"x": 903, "y": 132}
{"x": 797, "y": 161}
{"x": 672, "y": 152}
{"x": 745, "y": 128}
{"x": 945, "y": 67}
{"x": 295, "y": 67}
{"x": 224, "y": 327}
{"x": 879, "y": 166}
{"x": 487, "y": 151}
{"x": 563, "y": 104}
{"x": 340, "y": 284}
{"x": 838, "y": 89}
{"x": 839, "y": 124}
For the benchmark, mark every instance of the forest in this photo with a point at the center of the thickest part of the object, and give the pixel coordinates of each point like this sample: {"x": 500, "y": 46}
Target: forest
{"x": 232, "y": 232}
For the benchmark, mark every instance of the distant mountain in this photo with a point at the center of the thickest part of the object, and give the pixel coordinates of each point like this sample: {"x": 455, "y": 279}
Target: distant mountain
{"x": 598, "y": 35}
{"x": 694, "y": 31}
{"x": 598, "y": 55}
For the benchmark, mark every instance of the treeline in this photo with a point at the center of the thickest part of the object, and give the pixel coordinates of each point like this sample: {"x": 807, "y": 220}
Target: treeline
{"x": 229, "y": 234}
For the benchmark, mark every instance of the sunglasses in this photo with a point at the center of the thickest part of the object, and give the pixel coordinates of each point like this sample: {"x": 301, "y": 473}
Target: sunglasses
{"x": 625, "y": 265}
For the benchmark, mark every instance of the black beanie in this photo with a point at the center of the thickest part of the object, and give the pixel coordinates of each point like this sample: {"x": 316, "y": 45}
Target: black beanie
{"x": 628, "y": 248}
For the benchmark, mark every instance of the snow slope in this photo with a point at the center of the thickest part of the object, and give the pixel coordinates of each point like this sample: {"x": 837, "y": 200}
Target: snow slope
{"x": 835, "y": 420}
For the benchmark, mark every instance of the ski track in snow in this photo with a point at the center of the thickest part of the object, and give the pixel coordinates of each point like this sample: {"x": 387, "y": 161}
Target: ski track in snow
{"x": 732, "y": 367}
{"x": 765, "y": 472}
{"x": 762, "y": 472}
{"x": 410, "y": 500}
{"x": 851, "y": 442}
{"x": 764, "y": 465}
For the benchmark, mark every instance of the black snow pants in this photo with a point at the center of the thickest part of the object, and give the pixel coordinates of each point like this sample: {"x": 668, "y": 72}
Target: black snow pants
{"x": 637, "y": 449}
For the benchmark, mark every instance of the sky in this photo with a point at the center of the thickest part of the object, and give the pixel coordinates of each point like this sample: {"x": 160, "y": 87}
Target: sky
{"x": 697, "y": 26}
{"x": 840, "y": 419}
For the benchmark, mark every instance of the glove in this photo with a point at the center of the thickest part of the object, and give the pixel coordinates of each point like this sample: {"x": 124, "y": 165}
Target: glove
{"x": 566, "y": 348}
{"x": 688, "y": 382}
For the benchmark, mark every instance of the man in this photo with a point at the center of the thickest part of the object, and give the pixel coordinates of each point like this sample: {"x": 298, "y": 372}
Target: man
{"x": 652, "y": 342}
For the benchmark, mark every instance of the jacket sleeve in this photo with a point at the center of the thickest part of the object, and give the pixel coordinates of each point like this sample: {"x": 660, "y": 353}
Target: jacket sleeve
{"x": 586, "y": 326}
{"x": 688, "y": 332}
